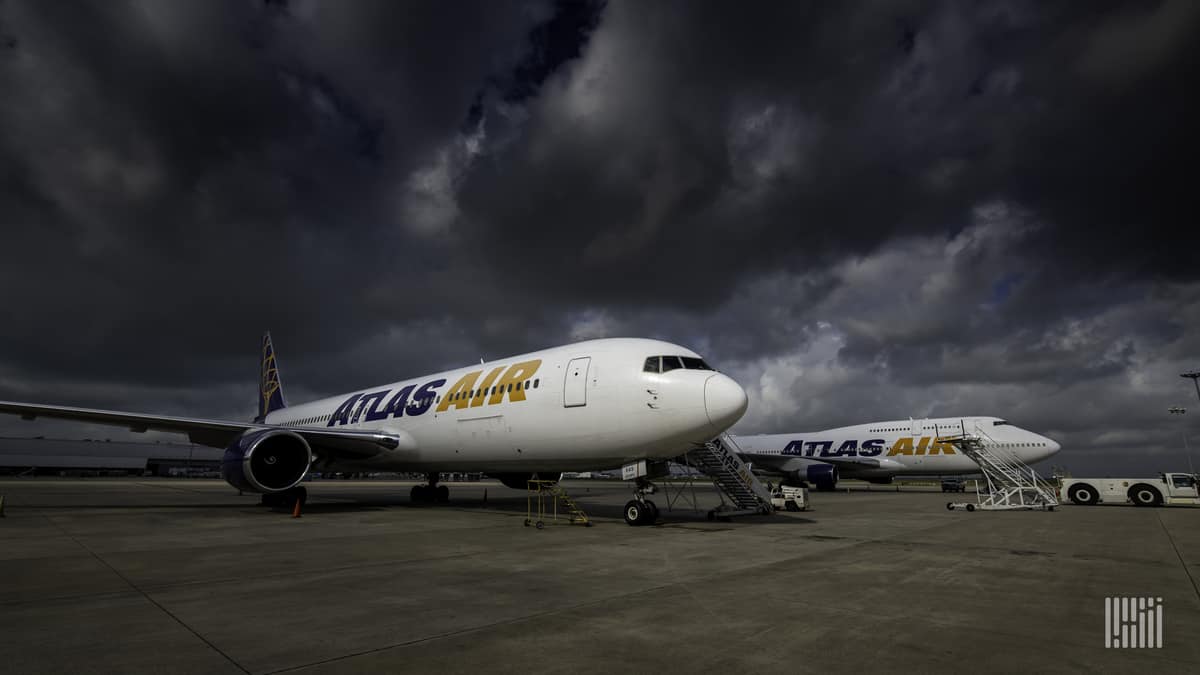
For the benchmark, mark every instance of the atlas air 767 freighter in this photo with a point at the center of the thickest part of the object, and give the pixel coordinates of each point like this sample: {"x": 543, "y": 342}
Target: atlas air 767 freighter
{"x": 879, "y": 451}
{"x": 585, "y": 406}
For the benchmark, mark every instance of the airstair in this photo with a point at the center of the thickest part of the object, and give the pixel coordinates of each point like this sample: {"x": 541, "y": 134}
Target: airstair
{"x": 719, "y": 460}
{"x": 542, "y": 500}
{"x": 1011, "y": 484}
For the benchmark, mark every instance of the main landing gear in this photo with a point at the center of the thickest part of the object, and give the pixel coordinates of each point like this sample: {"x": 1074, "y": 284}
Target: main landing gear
{"x": 431, "y": 493}
{"x": 639, "y": 510}
{"x": 287, "y": 498}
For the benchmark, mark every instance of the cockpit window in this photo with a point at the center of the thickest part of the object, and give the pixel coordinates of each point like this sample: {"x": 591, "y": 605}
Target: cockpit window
{"x": 662, "y": 364}
{"x": 999, "y": 423}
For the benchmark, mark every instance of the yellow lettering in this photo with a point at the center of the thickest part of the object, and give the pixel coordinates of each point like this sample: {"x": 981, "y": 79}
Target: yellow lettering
{"x": 923, "y": 445}
{"x": 516, "y": 376}
{"x": 457, "y": 396}
{"x": 942, "y": 447}
{"x": 487, "y": 383}
{"x": 903, "y": 446}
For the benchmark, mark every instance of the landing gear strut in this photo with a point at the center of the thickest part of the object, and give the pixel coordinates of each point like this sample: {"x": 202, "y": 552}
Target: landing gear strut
{"x": 639, "y": 510}
{"x": 431, "y": 493}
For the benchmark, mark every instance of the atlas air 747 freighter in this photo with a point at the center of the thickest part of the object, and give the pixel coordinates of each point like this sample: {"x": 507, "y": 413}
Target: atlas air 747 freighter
{"x": 586, "y": 406}
{"x": 879, "y": 451}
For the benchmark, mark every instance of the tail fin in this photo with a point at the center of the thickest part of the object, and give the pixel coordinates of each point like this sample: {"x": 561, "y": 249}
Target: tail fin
{"x": 270, "y": 391}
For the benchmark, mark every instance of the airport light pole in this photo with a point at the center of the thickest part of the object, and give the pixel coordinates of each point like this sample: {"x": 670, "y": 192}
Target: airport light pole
{"x": 1193, "y": 376}
{"x": 1179, "y": 410}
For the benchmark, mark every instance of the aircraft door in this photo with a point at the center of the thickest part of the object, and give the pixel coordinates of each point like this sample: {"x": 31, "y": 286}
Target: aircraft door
{"x": 575, "y": 382}
{"x": 916, "y": 428}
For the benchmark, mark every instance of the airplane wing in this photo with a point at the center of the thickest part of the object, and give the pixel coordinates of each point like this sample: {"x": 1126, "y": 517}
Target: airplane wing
{"x": 218, "y": 433}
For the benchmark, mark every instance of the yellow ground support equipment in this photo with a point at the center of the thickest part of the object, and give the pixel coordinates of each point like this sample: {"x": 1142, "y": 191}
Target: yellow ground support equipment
{"x": 541, "y": 502}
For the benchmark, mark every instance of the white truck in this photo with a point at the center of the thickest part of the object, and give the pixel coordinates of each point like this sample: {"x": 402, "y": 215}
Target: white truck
{"x": 788, "y": 498}
{"x": 1168, "y": 489}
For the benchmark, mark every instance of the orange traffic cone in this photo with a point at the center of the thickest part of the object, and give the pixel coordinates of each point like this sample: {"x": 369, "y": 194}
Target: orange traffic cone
{"x": 296, "y": 510}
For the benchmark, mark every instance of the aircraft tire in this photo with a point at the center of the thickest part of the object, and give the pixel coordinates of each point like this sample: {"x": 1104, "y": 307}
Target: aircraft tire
{"x": 634, "y": 513}
{"x": 651, "y": 513}
{"x": 1083, "y": 494}
{"x": 443, "y": 494}
{"x": 1145, "y": 495}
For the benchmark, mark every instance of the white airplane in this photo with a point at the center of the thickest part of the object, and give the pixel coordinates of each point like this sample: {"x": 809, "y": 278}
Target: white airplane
{"x": 879, "y": 451}
{"x": 586, "y": 406}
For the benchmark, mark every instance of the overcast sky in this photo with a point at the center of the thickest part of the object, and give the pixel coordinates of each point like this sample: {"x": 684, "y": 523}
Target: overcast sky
{"x": 860, "y": 211}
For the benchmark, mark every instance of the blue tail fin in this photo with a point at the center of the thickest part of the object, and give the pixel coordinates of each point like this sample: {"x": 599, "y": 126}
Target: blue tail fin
{"x": 270, "y": 391}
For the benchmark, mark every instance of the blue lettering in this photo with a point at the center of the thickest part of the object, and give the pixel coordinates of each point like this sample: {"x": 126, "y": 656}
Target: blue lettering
{"x": 811, "y": 448}
{"x": 793, "y": 448}
{"x": 424, "y": 397}
{"x": 871, "y": 448}
{"x": 395, "y": 407}
{"x": 848, "y": 449}
{"x": 370, "y": 403}
{"x": 341, "y": 415}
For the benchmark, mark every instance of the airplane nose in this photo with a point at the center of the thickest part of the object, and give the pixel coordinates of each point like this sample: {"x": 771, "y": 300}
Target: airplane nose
{"x": 724, "y": 400}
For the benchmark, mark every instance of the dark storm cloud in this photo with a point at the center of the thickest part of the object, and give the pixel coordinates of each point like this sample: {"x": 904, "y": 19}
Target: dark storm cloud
{"x": 861, "y": 210}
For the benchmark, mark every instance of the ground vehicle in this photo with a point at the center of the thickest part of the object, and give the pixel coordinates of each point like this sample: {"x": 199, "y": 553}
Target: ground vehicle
{"x": 1168, "y": 489}
{"x": 786, "y": 497}
{"x": 954, "y": 484}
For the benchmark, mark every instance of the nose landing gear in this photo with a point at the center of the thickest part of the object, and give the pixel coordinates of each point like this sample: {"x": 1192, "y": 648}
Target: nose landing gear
{"x": 639, "y": 510}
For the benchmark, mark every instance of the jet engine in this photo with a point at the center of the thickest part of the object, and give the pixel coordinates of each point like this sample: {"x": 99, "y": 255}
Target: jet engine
{"x": 822, "y": 476}
{"x": 520, "y": 481}
{"x": 266, "y": 460}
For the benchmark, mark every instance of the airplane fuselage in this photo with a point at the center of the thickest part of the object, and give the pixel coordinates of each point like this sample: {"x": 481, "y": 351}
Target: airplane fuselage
{"x": 589, "y": 405}
{"x": 881, "y": 450}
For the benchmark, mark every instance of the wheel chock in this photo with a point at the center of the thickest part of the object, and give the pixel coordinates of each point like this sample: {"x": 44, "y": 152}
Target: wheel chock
{"x": 296, "y": 509}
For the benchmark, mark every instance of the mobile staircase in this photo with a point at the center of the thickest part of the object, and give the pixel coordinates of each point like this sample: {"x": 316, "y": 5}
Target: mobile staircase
{"x": 541, "y": 503}
{"x": 1011, "y": 484}
{"x": 719, "y": 460}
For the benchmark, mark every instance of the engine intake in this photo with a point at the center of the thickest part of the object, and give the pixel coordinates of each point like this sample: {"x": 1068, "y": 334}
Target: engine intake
{"x": 266, "y": 460}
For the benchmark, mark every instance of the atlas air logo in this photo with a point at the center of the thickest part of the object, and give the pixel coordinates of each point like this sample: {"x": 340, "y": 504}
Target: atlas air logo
{"x": 870, "y": 448}
{"x": 500, "y": 383}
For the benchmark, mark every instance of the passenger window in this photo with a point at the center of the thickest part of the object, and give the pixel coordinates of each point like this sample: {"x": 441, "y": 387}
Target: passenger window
{"x": 535, "y": 382}
{"x": 510, "y": 387}
{"x": 670, "y": 363}
{"x": 651, "y": 365}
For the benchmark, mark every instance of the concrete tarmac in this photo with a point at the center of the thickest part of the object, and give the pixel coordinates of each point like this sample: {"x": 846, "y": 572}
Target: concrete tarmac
{"x": 175, "y": 576}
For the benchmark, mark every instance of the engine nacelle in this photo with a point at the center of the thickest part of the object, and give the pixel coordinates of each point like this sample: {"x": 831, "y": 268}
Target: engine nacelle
{"x": 266, "y": 460}
{"x": 520, "y": 481}
{"x": 821, "y": 476}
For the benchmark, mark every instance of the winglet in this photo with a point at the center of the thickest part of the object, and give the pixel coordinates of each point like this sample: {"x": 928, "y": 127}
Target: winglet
{"x": 270, "y": 390}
